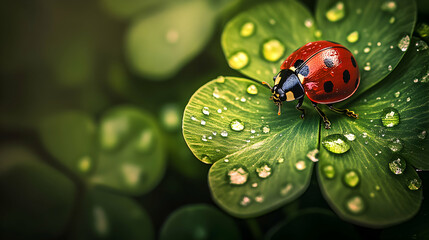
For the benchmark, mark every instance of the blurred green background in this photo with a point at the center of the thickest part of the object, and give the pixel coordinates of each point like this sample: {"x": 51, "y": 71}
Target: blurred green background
{"x": 72, "y": 72}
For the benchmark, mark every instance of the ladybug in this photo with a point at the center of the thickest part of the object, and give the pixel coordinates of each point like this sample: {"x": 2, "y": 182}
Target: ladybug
{"x": 325, "y": 71}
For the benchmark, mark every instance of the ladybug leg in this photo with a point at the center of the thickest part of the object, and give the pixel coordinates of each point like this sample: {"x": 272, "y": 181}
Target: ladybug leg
{"x": 298, "y": 107}
{"x": 343, "y": 111}
{"x": 323, "y": 116}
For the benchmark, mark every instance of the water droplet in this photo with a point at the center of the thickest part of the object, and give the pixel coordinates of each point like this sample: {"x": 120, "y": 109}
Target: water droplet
{"x": 336, "y": 143}
{"x": 397, "y": 94}
{"x": 353, "y": 37}
{"x": 397, "y": 166}
{"x": 392, "y": 20}
{"x": 247, "y": 29}
{"x": 408, "y": 99}
{"x": 367, "y": 68}
{"x": 264, "y": 171}
{"x": 280, "y": 160}
{"x": 204, "y": 138}
{"x": 421, "y": 45}
{"x": 226, "y": 160}
{"x": 422, "y": 135}
{"x": 245, "y": 201}
{"x": 172, "y": 36}
{"x": 351, "y": 178}
{"x": 273, "y": 50}
{"x": 318, "y": 34}
{"x": 378, "y": 44}
{"x": 243, "y": 99}
{"x": 389, "y": 68}
{"x": 238, "y": 60}
{"x": 252, "y": 89}
{"x": 355, "y": 204}
{"x": 336, "y": 13}
{"x": 350, "y": 136}
{"x": 328, "y": 171}
{"x": 286, "y": 189}
{"x": 84, "y": 164}
{"x": 254, "y": 185}
{"x": 224, "y": 133}
{"x": 414, "y": 184}
{"x": 237, "y": 125}
{"x": 145, "y": 140}
{"x": 272, "y": 21}
{"x": 216, "y": 93}
{"x": 101, "y": 221}
{"x": 395, "y": 145}
{"x": 238, "y": 175}
{"x": 266, "y": 129}
{"x": 131, "y": 173}
{"x": 312, "y": 155}
{"x": 300, "y": 165}
{"x": 259, "y": 198}
{"x": 390, "y": 117}
{"x": 367, "y": 50}
{"x": 203, "y": 122}
{"x": 205, "y": 111}
{"x": 404, "y": 43}
{"x": 205, "y": 159}
{"x": 388, "y": 6}
{"x": 308, "y": 23}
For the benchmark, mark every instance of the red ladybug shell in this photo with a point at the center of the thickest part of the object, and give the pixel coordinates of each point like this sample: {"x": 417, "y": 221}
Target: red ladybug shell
{"x": 329, "y": 70}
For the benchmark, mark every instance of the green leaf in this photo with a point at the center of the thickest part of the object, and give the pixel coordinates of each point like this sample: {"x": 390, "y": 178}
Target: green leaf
{"x": 278, "y": 27}
{"x": 129, "y": 8}
{"x": 323, "y": 224}
{"x": 110, "y": 216}
{"x": 199, "y": 221}
{"x": 379, "y": 26}
{"x": 255, "y": 169}
{"x": 36, "y": 199}
{"x": 158, "y": 45}
{"x": 131, "y": 157}
{"x": 70, "y": 137}
{"x": 381, "y": 197}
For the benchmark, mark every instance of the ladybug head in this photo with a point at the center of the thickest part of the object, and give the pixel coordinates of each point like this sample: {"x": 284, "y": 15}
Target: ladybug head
{"x": 287, "y": 87}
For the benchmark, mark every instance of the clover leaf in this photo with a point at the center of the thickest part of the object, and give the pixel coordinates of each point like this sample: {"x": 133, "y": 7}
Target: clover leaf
{"x": 262, "y": 161}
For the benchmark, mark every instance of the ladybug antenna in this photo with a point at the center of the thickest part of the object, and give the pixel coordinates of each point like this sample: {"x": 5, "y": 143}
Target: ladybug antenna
{"x": 268, "y": 85}
{"x": 280, "y": 108}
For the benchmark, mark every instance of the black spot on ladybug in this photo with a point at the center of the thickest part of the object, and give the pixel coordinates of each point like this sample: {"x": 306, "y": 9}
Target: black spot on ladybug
{"x": 328, "y": 62}
{"x": 353, "y": 61}
{"x": 346, "y": 76}
{"x": 298, "y": 63}
{"x": 304, "y": 70}
{"x": 356, "y": 82}
{"x": 328, "y": 86}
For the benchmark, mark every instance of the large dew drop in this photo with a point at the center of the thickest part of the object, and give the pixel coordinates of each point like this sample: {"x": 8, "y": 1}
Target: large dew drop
{"x": 404, "y": 43}
{"x": 395, "y": 145}
{"x": 300, "y": 165}
{"x": 238, "y": 175}
{"x": 351, "y": 178}
{"x": 414, "y": 184}
{"x": 205, "y": 111}
{"x": 353, "y": 37}
{"x": 397, "y": 165}
{"x": 237, "y": 125}
{"x": 264, "y": 171}
{"x": 273, "y": 50}
{"x": 390, "y": 117}
{"x": 328, "y": 171}
{"x": 238, "y": 60}
{"x": 355, "y": 204}
{"x": 336, "y": 143}
{"x": 252, "y": 89}
{"x": 247, "y": 29}
{"x": 336, "y": 13}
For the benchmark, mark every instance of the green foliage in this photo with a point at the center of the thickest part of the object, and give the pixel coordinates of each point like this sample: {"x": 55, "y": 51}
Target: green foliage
{"x": 36, "y": 199}
{"x": 110, "y": 216}
{"x": 359, "y": 183}
{"x": 199, "y": 221}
